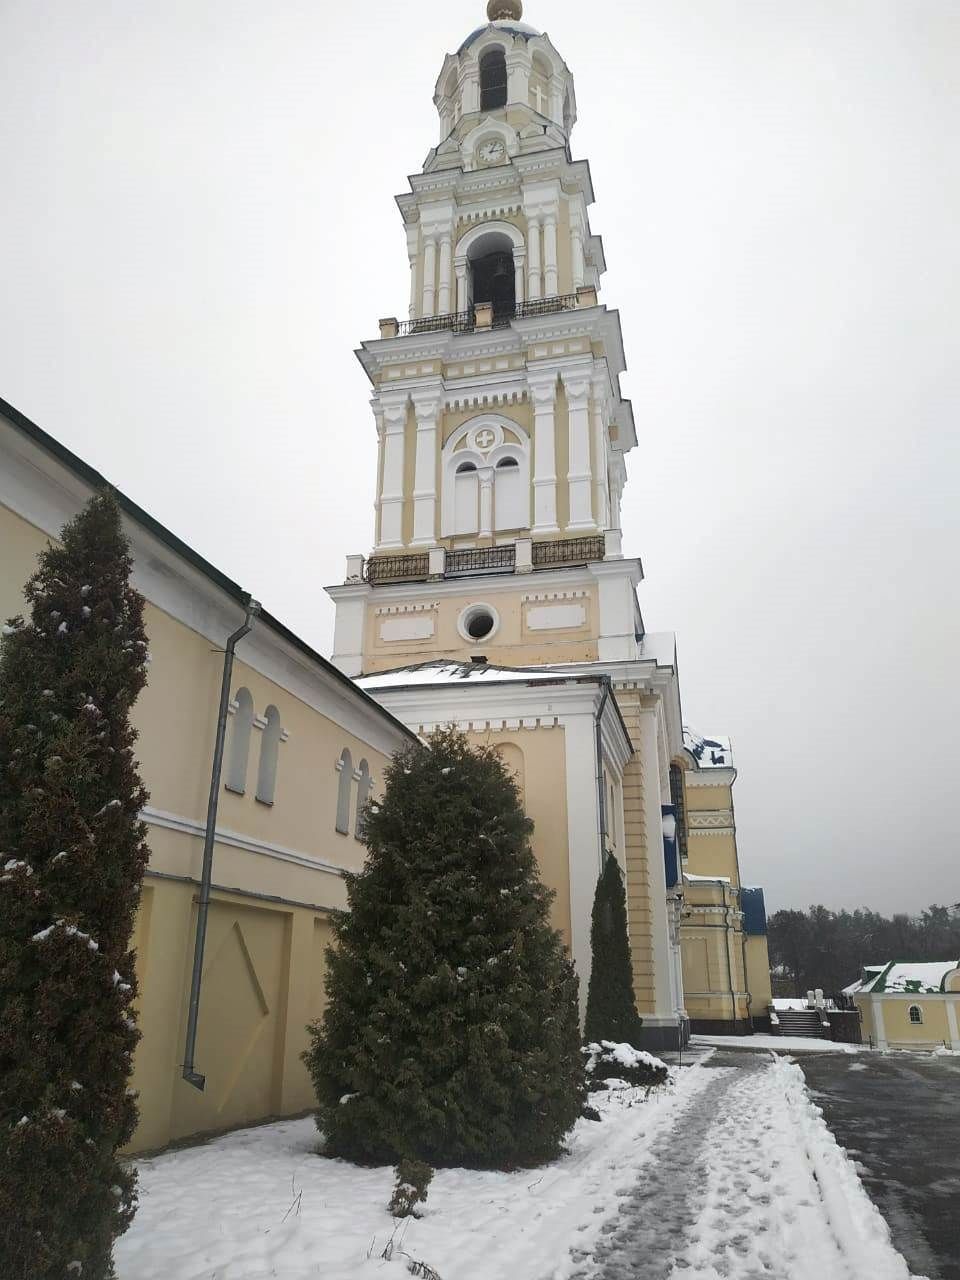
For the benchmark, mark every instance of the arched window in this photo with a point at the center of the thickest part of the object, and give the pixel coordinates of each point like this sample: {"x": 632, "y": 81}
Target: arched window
{"x": 493, "y": 80}
{"x": 510, "y": 498}
{"x": 269, "y": 751}
{"x": 466, "y": 499}
{"x": 678, "y": 800}
{"x": 364, "y": 787}
{"x": 916, "y": 1015}
{"x": 239, "y": 742}
{"x": 345, "y": 769}
{"x": 494, "y": 280}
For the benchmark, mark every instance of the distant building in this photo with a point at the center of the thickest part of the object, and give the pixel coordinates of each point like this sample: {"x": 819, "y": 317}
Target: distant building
{"x": 723, "y": 931}
{"x": 910, "y": 1005}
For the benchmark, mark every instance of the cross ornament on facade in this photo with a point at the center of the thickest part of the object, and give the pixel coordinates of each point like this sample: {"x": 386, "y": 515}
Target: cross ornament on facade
{"x": 485, "y": 440}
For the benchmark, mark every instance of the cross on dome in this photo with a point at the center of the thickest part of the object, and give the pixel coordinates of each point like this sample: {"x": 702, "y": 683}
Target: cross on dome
{"x": 504, "y": 10}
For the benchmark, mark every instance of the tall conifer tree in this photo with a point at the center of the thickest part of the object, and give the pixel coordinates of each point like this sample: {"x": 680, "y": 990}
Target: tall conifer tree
{"x": 72, "y": 856}
{"x": 611, "y": 1004}
{"x": 451, "y": 1034}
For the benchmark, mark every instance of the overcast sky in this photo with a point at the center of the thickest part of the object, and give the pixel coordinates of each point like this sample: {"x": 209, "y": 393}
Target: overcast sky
{"x": 197, "y": 227}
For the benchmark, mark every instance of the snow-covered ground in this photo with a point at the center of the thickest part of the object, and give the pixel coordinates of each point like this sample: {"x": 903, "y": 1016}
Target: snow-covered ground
{"x": 726, "y": 1171}
{"x": 786, "y": 1044}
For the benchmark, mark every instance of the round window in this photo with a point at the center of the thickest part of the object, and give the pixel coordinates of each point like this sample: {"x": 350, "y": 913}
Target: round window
{"x": 478, "y": 622}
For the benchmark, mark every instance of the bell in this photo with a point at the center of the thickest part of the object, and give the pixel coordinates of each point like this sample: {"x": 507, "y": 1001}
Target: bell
{"x": 501, "y": 271}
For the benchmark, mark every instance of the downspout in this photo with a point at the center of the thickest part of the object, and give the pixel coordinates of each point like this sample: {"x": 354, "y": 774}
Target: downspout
{"x": 726, "y": 939}
{"x": 190, "y": 1074}
{"x": 601, "y": 797}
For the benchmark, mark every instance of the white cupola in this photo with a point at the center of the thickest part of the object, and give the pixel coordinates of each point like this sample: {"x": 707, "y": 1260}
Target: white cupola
{"x": 508, "y": 72}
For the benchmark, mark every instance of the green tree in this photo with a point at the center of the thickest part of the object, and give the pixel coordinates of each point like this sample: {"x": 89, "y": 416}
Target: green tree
{"x": 72, "y": 856}
{"x": 611, "y": 1004}
{"x": 451, "y": 1033}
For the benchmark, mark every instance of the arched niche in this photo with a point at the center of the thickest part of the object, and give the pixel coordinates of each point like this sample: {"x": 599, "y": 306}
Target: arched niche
{"x": 485, "y": 478}
{"x": 489, "y": 263}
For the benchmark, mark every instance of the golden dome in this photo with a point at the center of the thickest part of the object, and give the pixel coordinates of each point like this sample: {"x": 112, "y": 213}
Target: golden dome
{"x": 505, "y": 10}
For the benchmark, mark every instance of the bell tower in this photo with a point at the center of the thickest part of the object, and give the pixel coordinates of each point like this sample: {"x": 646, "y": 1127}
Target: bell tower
{"x": 501, "y": 427}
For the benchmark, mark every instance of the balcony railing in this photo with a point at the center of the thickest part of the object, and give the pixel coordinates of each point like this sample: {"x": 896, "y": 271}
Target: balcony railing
{"x": 522, "y": 556}
{"x": 380, "y": 569}
{"x": 547, "y": 306}
{"x": 458, "y": 322}
{"x": 565, "y": 551}
{"x": 499, "y": 317}
{"x": 481, "y": 560}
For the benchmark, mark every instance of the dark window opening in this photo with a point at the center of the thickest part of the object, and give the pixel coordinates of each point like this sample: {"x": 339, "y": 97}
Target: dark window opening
{"x": 466, "y": 466}
{"x": 479, "y": 626}
{"x": 508, "y": 462}
{"x": 494, "y": 280}
{"x": 678, "y": 801}
{"x": 493, "y": 80}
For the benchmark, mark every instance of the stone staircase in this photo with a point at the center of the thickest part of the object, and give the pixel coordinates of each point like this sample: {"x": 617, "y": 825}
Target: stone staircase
{"x": 799, "y": 1022}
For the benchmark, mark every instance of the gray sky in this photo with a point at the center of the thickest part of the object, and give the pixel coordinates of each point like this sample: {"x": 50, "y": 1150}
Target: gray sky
{"x": 197, "y": 227}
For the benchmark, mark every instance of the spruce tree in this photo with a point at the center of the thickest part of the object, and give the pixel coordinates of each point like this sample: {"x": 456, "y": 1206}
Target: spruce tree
{"x": 451, "y": 1034}
{"x": 72, "y": 856}
{"x": 611, "y": 1005}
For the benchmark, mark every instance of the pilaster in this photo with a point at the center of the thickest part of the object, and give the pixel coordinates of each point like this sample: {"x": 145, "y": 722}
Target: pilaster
{"x": 543, "y": 393}
{"x": 394, "y": 417}
{"x": 579, "y": 477}
{"x": 426, "y": 404}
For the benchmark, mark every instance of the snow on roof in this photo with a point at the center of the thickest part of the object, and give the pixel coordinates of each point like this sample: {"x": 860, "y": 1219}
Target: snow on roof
{"x": 923, "y": 978}
{"x": 690, "y": 879}
{"x": 709, "y": 753}
{"x": 441, "y": 672}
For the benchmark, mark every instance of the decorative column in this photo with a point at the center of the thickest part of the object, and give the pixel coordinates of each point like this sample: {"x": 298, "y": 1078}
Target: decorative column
{"x": 550, "y": 273}
{"x": 446, "y": 261}
{"x": 579, "y": 477}
{"x": 427, "y": 410}
{"x": 601, "y": 499}
{"x": 543, "y": 392}
{"x": 391, "y": 490}
{"x": 429, "y": 275}
{"x": 533, "y": 248}
{"x": 413, "y": 236}
{"x": 463, "y": 295}
{"x": 485, "y": 476}
{"x": 520, "y": 271}
{"x": 576, "y": 256}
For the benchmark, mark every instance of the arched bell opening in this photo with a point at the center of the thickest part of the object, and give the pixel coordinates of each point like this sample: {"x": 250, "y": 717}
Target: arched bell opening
{"x": 493, "y": 79}
{"x": 493, "y": 275}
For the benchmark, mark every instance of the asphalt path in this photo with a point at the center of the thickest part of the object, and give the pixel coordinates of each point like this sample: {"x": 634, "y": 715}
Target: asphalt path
{"x": 898, "y": 1116}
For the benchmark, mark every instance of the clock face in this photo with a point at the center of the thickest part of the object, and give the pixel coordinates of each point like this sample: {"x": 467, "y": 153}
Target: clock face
{"x": 492, "y": 151}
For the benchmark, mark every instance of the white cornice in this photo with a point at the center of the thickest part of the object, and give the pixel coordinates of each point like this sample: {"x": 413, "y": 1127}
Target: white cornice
{"x": 191, "y": 827}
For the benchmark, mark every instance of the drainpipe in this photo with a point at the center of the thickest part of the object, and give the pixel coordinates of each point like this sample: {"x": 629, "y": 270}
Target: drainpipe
{"x": 726, "y": 939}
{"x": 607, "y": 685}
{"x": 190, "y": 1074}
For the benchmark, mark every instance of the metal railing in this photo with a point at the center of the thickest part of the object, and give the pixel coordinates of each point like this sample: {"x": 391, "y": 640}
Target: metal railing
{"x": 458, "y": 321}
{"x": 547, "y": 306}
{"x": 465, "y": 321}
{"x": 396, "y": 568}
{"x": 477, "y": 560}
{"x": 481, "y": 560}
{"x": 547, "y": 555}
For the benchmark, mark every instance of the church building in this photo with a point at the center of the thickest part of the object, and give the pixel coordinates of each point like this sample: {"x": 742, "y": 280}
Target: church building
{"x": 498, "y": 595}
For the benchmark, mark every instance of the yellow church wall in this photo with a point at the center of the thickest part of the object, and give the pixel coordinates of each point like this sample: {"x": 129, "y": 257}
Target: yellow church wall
{"x": 263, "y": 968}
{"x": 712, "y": 855}
{"x": 537, "y": 758}
{"x": 758, "y": 974}
{"x": 513, "y": 644}
{"x": 640, "y": 907}
{"x": 700, "y": 798}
